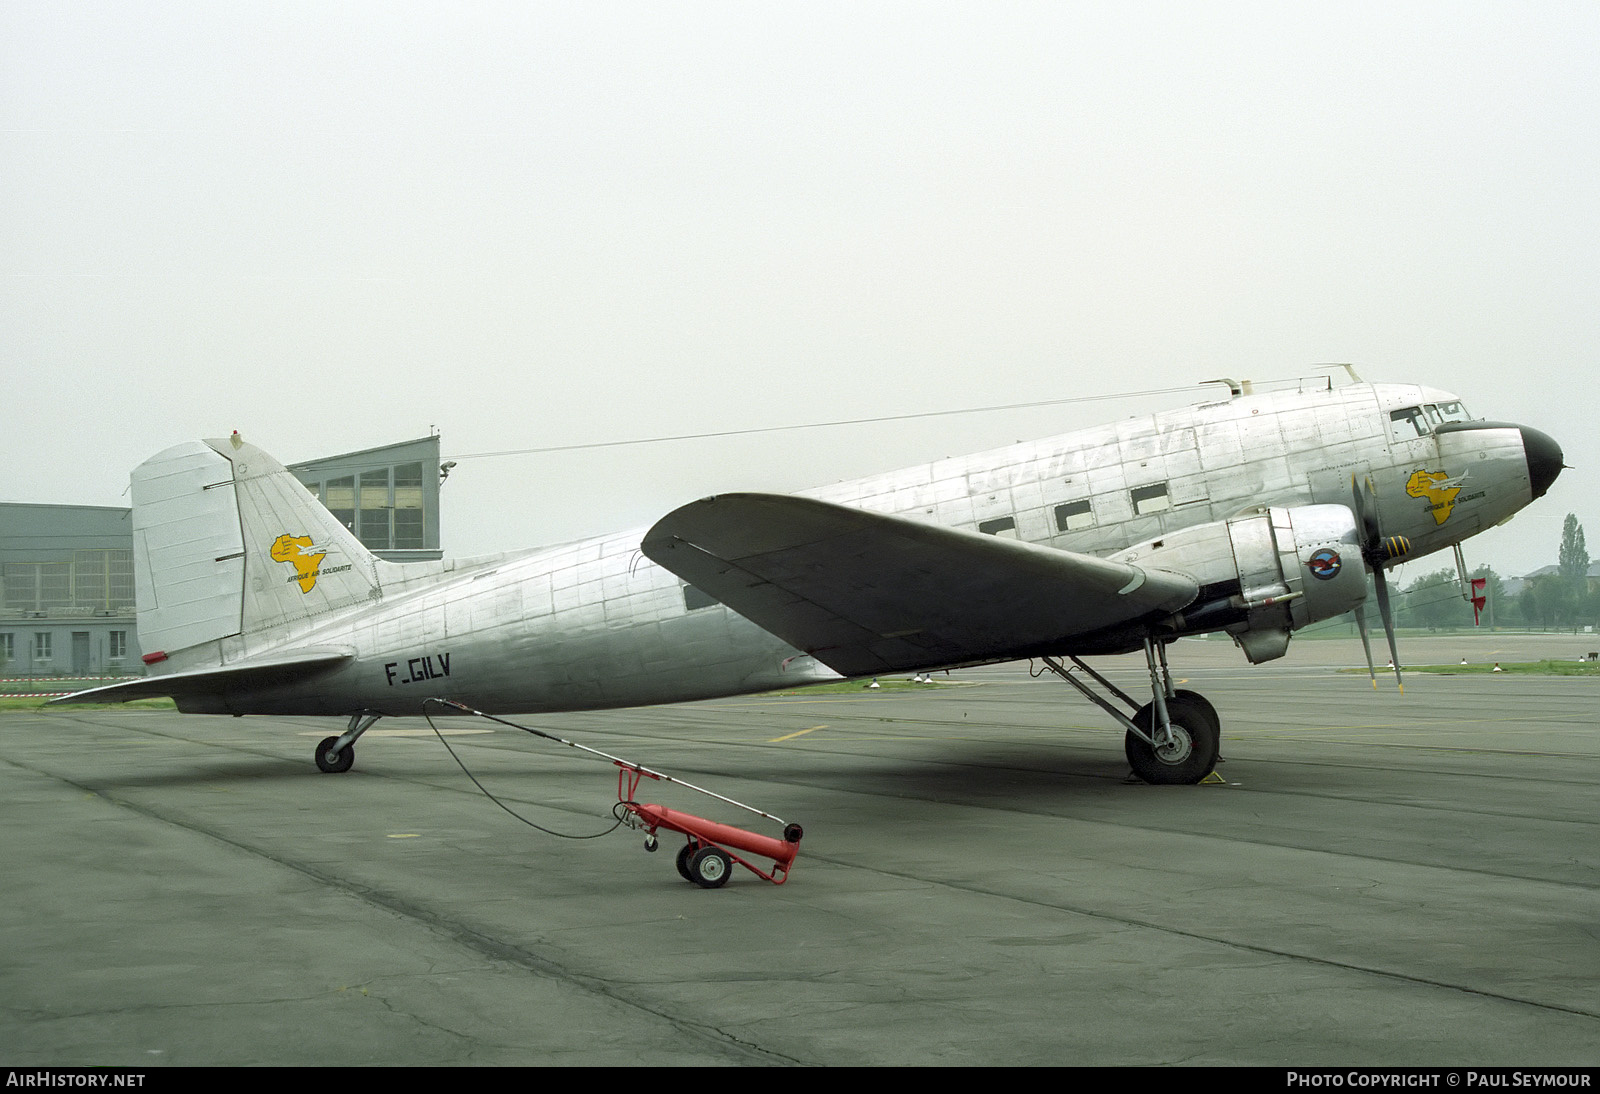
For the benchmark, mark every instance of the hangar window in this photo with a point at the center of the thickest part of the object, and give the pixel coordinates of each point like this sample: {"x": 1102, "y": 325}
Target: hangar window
{"x": 41, "y": 645}
{"x": 1151, "y": 499}
{"x": 102, "y": 580}
{"x": 1000, "y": 526}
{"x": 1074, "y": 515}
{"x": 408, "y": 525}
{"x": 8, "y": 648}
{"x": 119, "y": 644}
{"x": 694, "y": 599}
{"x": 373, "y": 530}
{"x": 339, "y": 495}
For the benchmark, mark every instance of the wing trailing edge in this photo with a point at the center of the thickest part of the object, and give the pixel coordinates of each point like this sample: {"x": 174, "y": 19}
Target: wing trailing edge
{"x": 865, "y": 593}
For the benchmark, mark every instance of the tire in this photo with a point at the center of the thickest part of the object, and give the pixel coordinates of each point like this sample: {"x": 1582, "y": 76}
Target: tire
{"x": 1204, "y": 705}
{"x": 1193, "y": 756}
{"x": 709, "y": 868}
{"x": 331, "y": 762}
{"x": 683, "y": 859}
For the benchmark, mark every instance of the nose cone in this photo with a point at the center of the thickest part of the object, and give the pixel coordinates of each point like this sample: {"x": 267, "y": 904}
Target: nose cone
{"x": 1544, "y": 459}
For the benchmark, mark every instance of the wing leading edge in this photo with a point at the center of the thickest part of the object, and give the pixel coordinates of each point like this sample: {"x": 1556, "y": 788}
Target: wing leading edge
{"x": 865, "y": 592}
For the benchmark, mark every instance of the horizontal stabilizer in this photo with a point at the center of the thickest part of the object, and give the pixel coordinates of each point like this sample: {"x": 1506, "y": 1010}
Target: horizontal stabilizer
{"x": 865, "y": 592}
{"x": 256, "y": 672}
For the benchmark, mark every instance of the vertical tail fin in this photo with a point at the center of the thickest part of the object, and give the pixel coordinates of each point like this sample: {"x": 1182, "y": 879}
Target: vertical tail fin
{"x": 226, "y": 542}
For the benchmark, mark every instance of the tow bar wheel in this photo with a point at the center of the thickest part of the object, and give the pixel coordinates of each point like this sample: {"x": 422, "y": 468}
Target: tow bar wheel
{"x": 709, "y": 868}
{"x": 683, "y": 859}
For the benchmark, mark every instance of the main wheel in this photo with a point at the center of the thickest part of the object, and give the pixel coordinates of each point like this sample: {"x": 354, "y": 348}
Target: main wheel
{"x": 709, "y": 868}
{"x": 1188, "y": 757}
{"x": 334, "y": 762}
{"x": 1204, "y": 706}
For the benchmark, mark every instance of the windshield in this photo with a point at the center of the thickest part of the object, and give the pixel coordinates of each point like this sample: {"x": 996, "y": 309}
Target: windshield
{"x": 1408, "y": 423}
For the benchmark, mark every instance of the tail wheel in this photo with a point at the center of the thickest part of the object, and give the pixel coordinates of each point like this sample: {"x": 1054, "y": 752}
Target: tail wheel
{"x": 333, "y": 762}
{"x": 1191, "y": 753}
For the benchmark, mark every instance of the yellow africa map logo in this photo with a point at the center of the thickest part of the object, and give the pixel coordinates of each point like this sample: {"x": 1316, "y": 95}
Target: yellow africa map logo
{"x": 1438, "y": 489}
{"x": 297, "y": 551}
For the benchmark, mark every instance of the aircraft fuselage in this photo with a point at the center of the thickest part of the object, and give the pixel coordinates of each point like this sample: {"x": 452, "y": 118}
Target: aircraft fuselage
{"x": 594, "y": 624}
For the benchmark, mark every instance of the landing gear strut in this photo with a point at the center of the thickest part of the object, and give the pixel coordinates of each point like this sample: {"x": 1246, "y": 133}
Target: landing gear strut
{"x": 1174, "y": 738}
{"x": 337, "y": 754}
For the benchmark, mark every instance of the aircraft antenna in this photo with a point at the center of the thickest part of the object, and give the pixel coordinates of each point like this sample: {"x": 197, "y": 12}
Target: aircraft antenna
{"x": 821, "y": 425}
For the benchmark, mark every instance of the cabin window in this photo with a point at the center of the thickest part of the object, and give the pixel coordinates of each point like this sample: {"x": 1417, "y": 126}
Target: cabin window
{"x": 1151, "y": 499}
{"x": 1000, "y": 526}
{"x": 1408, "y": 424}
{"x": 695, "y": 599}
{"x": 1074, "y": 515}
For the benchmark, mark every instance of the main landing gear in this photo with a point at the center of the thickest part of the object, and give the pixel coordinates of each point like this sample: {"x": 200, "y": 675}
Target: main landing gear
{"x": 337, "y": 754}
{"x": 1173, "y": 739}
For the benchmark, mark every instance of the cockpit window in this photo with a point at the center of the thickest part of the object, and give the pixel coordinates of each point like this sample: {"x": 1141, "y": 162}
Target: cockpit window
{"x": 1453, "y": 412}
{"x": 1408, "y": 424}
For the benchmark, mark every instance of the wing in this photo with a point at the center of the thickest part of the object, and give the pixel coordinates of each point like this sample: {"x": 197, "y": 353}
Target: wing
{"x": 865, "y": 593}
{"x": 264, "y": 671}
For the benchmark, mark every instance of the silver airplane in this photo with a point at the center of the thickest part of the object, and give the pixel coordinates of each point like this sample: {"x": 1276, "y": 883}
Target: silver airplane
{"x": 1255, "y": 513}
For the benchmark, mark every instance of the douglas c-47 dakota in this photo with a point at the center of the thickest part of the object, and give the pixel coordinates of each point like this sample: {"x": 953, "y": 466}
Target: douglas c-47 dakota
{"x": 1253, "y": 513}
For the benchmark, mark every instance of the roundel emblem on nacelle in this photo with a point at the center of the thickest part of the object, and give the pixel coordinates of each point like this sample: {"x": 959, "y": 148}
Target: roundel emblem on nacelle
{"x": 1324, "y": 563}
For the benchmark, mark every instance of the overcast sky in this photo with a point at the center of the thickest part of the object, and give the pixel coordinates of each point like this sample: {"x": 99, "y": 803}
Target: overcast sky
{"x": 336, "y": 225}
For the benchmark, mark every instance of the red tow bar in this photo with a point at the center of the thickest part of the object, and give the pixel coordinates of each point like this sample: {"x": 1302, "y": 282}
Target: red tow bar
{"x": 712, "y": 848}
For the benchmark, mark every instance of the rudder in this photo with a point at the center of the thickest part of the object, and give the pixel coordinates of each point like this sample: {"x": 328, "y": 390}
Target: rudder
{"x": 227, "y": 542}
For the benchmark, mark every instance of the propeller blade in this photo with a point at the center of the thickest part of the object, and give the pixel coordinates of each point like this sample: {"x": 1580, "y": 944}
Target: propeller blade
{"x": 1371, "y": 534}
{"x": 1381, "y": 585}
{"x": 1366, "y": 644}
{"x": 1375, "y": 551}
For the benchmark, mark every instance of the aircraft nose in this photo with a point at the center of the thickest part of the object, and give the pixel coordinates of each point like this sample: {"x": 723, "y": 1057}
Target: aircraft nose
{"x": 1544, "y": 459}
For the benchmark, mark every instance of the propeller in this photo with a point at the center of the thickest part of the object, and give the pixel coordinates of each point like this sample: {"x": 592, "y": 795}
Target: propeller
{"x": 1366, "y": 646}
{"x": 1377, "y": 549}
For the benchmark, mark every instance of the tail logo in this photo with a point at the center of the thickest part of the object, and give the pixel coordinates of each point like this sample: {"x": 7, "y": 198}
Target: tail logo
{"x": 303, "y": 555}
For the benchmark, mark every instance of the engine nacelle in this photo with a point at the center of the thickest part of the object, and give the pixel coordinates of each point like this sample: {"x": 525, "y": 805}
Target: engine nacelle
{"x": 1264, "y": 575}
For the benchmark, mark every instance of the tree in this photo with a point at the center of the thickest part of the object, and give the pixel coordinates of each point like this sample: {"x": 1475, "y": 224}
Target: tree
{"x": 1572, "y": 563}
{"x": 1434, "y": 600}
{"x": 1548, "y": 600}
{"x": 1573, "y": 560}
